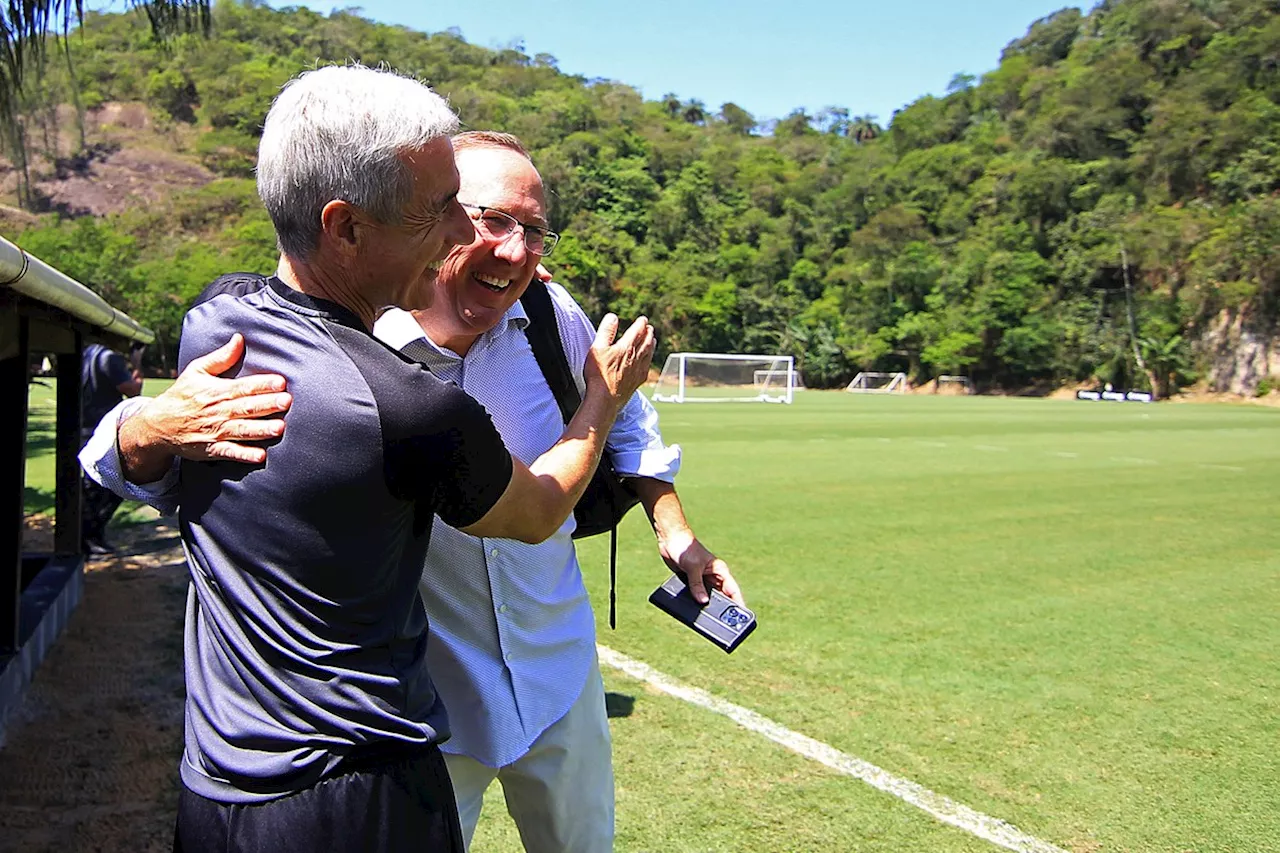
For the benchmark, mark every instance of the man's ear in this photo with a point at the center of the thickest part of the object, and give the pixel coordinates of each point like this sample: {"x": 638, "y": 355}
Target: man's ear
{"x": 340, "y": 222}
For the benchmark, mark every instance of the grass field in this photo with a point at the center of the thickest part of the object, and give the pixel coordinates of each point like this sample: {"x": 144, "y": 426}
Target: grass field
{"x": 1063, "y": 615}
{"x": 38, "y": 494}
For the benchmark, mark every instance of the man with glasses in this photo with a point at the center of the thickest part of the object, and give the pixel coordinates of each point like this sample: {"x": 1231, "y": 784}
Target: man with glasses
{"x": 540, "y": 725}
{"x": 312, "y": 722}
{"x": 512, "y": 648}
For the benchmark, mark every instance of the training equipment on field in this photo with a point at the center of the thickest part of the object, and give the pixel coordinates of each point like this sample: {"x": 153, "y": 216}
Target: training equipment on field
{"x": 1117, "y": 396}
{"x": 878, "y": 383}
{"x": 720, "y": 620}
{"x": 953, "y": 385}
{"x": 772, "y": 378}
{"x": 694, "y": 377}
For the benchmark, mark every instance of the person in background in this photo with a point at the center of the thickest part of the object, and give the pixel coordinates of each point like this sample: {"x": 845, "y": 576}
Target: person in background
{"x": 106, "y": 378}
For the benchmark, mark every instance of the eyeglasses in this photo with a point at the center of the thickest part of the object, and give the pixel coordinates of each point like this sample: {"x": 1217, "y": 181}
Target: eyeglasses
{"x": 498, "y": 225}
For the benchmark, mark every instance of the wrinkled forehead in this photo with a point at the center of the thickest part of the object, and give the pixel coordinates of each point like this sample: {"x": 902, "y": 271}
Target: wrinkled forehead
{"x": 501, "y": 178}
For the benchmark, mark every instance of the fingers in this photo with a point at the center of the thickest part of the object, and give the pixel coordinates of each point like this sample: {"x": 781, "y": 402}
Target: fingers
{"x": 697, "y": 587}
{"x": 635, "y": 331}
{"x": 542, "y": 274}
{"x": 252, "y": 430}
{"x": 726, "y": 582}
{"x": 259, "y": 406}
{"x": 263, "y": 383}
{"x": 650, "y": 343}
{"x": 641, "y": 339}
{"x": 237, "y": 452}
{"x": 220, "y": 360}
{"x": 607, "y": 330}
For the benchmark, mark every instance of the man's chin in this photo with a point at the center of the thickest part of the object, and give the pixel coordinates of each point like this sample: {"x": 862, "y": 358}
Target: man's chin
{"x": 421, "y": 293}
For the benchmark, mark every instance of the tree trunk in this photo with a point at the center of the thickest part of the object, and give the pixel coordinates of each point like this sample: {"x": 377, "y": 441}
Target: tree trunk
{"x": 74, "y": 85}
{"x": 16, "y": 134}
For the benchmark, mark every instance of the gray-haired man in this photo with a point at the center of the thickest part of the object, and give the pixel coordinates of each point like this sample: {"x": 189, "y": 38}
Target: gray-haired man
{"x": 311, "y": 720}
{"x": 512, "y": 645}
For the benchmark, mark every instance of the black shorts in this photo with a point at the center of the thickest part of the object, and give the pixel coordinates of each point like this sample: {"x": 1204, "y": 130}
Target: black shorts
{"x": 400, "y": 805}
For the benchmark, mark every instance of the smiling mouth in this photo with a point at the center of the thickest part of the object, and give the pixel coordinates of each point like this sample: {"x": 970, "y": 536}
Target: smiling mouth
{"x": 497, "y": 285}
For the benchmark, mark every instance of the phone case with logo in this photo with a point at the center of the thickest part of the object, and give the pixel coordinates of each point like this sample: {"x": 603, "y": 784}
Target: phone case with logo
{"x": 720, "y": 620}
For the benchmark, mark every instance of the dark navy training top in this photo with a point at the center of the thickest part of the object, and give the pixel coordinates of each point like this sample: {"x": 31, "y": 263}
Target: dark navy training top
{"x": 305, "y": 637}
{"x": 102, "y": 372}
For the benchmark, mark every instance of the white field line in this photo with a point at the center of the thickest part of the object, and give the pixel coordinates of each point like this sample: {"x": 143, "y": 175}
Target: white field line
{"x": 932, "y": 443}
{"x": 1235, "y": 468}
{"x": 943, "y": 808}
{"x": 1065, "y": 455}
{"x": 1133, "y": 460}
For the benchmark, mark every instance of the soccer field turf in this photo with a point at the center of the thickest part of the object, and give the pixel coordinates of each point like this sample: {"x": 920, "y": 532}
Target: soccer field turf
{"x": 1061, "y": 614}
{"x": 42, "y": 403}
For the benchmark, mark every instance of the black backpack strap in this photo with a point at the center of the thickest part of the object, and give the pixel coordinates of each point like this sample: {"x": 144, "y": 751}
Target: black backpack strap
{"x": 543, "y": 333}
{"x": 544, "y": 339}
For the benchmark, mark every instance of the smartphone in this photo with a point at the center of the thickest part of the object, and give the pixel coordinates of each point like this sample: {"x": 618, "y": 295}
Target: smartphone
{"x": 721, "y": 620}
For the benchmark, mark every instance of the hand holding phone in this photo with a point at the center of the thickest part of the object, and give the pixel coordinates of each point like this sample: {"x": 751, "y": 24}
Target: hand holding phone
{"x": 721, "y": 620}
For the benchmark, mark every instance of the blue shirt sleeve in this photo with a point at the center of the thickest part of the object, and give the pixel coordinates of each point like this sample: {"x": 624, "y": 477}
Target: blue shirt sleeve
{"x": 635, "y": 444}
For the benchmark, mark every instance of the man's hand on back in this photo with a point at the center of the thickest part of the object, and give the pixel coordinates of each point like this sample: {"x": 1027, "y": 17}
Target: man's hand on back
{"x": 202, "y": 416}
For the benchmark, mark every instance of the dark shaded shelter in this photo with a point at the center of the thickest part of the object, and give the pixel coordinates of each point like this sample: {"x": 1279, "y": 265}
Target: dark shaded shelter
{"x": 42, "y": 312}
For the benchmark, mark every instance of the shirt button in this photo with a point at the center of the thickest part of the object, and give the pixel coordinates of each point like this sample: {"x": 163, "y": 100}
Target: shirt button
{"x": 493, "y": 553}
{"x": 503, "y": 608}
{"x": 507, "y": 657}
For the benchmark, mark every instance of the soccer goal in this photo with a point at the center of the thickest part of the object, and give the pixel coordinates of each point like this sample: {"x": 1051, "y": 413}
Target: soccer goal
{"x": 953, "y": 385}
{"x": 775, "y": 377}
{"x": 708, "y": 377}
{"x": 878, "y": 383}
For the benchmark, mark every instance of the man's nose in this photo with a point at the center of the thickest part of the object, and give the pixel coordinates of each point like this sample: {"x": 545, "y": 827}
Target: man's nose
{"x": 512, "y": 248}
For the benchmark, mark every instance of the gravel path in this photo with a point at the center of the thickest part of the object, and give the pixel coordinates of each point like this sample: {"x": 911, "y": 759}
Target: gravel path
{"x": 91, "y": 757}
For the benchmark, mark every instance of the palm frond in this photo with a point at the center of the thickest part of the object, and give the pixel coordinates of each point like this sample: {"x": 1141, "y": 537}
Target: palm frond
{"x": 25, "y": 24}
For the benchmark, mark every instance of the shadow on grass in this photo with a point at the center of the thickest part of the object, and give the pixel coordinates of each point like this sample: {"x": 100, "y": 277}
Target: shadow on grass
{"x": 36, "y": 500}
{"x": 619, "y": 705}
{"x": 40, "y": 440}
{"x": 133, "y": 513}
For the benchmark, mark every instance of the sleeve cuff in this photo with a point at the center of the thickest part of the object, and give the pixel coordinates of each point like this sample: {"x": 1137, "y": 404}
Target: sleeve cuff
{"x": 655, "y": 463}
{"x": 101, "y": 463}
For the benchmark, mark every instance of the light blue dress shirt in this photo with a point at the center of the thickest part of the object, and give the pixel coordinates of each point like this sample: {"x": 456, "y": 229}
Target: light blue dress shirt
{"x": 512, "y": 635}
{"x": 512, "y": 631}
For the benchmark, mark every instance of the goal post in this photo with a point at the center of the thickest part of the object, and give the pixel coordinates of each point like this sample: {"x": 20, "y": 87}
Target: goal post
{"x": 773, "y": 377}
{"x": 870, "y": 382}
{"x": 708, "y": 377}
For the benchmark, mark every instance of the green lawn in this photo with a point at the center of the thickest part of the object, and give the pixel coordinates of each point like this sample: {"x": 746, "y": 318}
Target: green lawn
{"x": 38, "y": 494}
{"x": 1060, "y": 614}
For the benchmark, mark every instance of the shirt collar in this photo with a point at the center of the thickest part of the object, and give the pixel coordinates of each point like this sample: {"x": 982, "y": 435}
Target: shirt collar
{"x": 315, "y": 305}
{"x": 398, "y": 329}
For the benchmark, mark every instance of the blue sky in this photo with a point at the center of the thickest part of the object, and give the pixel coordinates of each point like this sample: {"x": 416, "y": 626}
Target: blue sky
{"x": 767, "y": 57}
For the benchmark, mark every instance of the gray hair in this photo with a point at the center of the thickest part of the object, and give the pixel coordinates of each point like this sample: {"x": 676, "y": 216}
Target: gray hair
{"x": 489, "y": 139}
{"x": 338, "y": 133}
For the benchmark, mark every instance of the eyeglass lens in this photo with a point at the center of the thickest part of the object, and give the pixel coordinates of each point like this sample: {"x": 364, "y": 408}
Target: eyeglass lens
{"x": 498, "y": 226}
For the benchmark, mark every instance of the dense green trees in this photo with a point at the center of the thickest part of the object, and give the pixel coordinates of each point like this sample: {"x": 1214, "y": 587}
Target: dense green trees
{"x": 1087, "y": 209}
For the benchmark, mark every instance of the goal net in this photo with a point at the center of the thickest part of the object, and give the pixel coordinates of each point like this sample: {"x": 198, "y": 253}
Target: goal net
{"x": 703, "y": 377}
{"x": 878, "y": 383}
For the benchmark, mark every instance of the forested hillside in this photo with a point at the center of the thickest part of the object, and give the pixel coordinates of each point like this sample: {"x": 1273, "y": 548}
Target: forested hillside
{"x": 1101, "y": 205}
